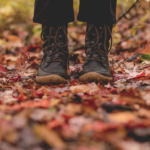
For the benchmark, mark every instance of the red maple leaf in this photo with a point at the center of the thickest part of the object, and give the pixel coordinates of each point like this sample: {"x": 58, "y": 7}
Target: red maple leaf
{"x": 3, "y": 69}
{"x": 141, "y": 75}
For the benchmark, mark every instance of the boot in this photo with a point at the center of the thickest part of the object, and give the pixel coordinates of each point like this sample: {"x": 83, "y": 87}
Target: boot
{"x": 96, "y": 67}
{"x": 53, "y": 67}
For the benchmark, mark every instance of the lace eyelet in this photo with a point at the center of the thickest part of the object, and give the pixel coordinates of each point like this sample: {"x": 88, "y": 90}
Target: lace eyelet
{"x": 92, "y": 42}
{"x": 93, "y": 34}
{"x": 52, "y": 44}
{"x": 59, "y": 36}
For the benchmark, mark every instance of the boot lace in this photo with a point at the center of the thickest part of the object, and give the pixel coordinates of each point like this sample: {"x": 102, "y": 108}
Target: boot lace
{"x": 106, "y": 30}
{"x": 63, "y": 52}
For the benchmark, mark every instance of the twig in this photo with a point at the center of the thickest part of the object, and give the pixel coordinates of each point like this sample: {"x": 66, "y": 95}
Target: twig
{"x": 124, "y": 15}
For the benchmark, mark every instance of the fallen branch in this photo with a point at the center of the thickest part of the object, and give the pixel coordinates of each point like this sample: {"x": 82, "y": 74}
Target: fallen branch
{"x": 124, "y": 15}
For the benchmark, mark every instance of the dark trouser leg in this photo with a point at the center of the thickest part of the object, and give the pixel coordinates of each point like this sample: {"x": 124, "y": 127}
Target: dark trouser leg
{"x": 97, "y": 11}
{"x": 53, "y": 11}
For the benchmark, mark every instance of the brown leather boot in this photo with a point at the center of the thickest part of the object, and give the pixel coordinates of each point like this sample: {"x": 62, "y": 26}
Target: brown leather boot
{"x": 53, "y": 67}
{"x": 96, "y": 67}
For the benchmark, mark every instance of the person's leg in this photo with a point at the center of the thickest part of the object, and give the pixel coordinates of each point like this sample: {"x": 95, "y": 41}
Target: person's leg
{"x": 100, "y": 17}
{"x": 103, "y": 11}
{"x": 53, "y": 11}
{"x": 54, "y": 16}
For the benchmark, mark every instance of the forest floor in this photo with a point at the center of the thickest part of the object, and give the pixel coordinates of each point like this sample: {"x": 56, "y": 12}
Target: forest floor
{"x": 94, "y": 116}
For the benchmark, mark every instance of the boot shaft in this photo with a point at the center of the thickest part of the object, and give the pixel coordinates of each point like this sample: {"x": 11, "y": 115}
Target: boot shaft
{"x": 55, "y": 46}
{"x": 98, "y": 36}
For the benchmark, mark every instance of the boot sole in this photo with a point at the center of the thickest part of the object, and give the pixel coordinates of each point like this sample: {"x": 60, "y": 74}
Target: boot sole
{"x": 94, "y": 77}
{"x": 50, "y": 79}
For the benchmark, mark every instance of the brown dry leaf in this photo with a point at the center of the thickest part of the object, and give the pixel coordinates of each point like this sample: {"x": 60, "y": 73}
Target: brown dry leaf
{"x": 12, "y": 58}
{"x": 133, "y": 100}
{"x": 2, "y": 58}
{"x": 129, "y": 65}
{"x": 73, "y": 35}
{"x": 89, "y": 110}
{"x": 11, "y": 137}
{"x": 13, "y": 38}
{"x": 5, "y": 129}
{"x": 81, "y": 38}
{"x": 21, "y": 119}
{"x": 146, "y": 97}
{"x": 122, "y": 117}
{"x": 20, "y": 64}
{"x": 147, "y": 49}
{"x": 72, "y": 109}
{"x": 78, "y": 52}
{"x": 49, "y": 136}
{"x": 11, "y": 64}
{"x": 19, "y": 88}
{"x": 55, "y": 102}
{"x": 133, "y": 145}
{"x": 144, "y": 113}
{"x": 92, "y": 87}
{"x": 42, "y": 115}
{"x": 79, "y": 88}
{"x": 128, "y": 145}
{"x": 132, "y": 96}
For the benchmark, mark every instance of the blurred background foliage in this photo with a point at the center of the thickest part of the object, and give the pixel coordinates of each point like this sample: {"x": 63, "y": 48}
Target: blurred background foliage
{"x": 14, "y": 12}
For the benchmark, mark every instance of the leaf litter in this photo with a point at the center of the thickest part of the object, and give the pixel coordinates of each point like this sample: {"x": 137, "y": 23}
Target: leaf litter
{"x": 94, "y": 116}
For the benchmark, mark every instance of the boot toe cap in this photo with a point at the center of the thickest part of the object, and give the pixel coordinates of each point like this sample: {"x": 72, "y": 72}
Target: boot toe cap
{"x": 42, "y": 73}
{"x": 96, "y": 67}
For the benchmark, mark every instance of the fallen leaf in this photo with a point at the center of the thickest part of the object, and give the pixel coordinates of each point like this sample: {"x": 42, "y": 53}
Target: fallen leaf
{"x": 2, "y": 69}
{"x": 122, "y": 117}
{"x": 49, "y": 136}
